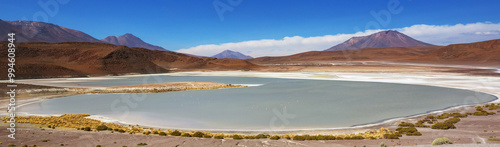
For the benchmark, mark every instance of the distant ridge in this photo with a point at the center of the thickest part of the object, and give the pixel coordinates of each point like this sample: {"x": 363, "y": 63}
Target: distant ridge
{"x": 232, "y": 55}
{"x": 31, "y": 31}
{"x": 485, "y": 52}
{"x": 130, "y": 41}
{"x": 381, "y": 39}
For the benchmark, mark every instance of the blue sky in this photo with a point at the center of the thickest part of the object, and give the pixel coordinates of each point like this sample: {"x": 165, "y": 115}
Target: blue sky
{"x": 185, "y": 24}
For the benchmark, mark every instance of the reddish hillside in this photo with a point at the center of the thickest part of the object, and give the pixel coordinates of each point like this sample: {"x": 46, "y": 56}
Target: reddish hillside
{"x": 486, "y": 52}
{"x": 36, "y": 60}
{"x": 367, "y": 54}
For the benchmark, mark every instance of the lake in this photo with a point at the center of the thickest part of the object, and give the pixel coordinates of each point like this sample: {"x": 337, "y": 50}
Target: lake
{"x": 276, "y": 104}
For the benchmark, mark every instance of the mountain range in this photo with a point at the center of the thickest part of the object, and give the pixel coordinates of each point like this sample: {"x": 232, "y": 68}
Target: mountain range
{"x": 48, "y": 50}
{"x": 381, "y": 39}
{"x": 31, "y": 31}
{"x": 231, "y": 54}
{"x": 484, "y": 53}
{"x": 75, "y": 59}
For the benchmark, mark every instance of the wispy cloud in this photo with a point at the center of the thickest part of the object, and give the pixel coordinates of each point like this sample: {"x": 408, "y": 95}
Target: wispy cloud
{"x": 434, "y": 34}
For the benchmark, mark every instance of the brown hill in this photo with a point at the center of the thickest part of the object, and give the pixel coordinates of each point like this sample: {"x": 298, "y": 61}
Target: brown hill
{"x": 367, "y": 54}
{"x": 31, "y": 31}
{"x": 486, "y": 52}
{"x": 37, "y": 60}
{"x": 383, "y": 39}
{"x": 130, "y": 41}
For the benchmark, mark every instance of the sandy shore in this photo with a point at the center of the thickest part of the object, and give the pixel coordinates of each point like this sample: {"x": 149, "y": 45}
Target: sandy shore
{"x": 469, "y": 131}
{"x": 163, "y": 87}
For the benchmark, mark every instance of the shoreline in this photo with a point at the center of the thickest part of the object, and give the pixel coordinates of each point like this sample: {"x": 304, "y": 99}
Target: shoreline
{"x": 299, "y": 75}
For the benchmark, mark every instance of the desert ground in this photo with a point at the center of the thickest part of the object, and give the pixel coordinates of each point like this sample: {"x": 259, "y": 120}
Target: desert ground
{"x": 470, "y": 131}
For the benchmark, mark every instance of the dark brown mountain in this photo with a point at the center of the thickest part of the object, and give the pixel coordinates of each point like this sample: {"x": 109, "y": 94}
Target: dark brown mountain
{"x": 383, "y": 39}
{"x": 42, "y": 60}
{"x": 130, "y": 41}
{"x": 232, "y": 55}
{"x": 30, "y": 31}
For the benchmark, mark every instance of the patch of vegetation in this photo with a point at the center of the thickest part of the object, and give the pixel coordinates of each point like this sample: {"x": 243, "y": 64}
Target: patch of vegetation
{"x": 207, "y": 136}
{"x": 186, "y": 135}
{"x": 414, "y": 134}
{"x": 443, "y": 126}
{"x": 275, "y": 137}
{"x": 443, "y": 116}
{"x": 441, "y": 141}
{"x": 406, "y": 130}
{"x": 87, "y": 129}
{"x": 421, "y": 125}
{"x": 46, "y": 140}
{"x": 492, "y": 106}
{"x": 483, "y": 113}
{"x": 299, "y": 138}
{"x": 452, "y": 120}
{"x": 198, "y": 134}
{"x": 405, "y": 124}
{"x": 383, "y": 144}
{"x": 176, "y": 133}
{"x": 308, "y": 137}
{"x": 162, "y": 134}
{"x": 259, "y": 136}
{"x": 142, "y": 144}
{"x": 102, "y": 127}
{"x": 219, "y": 136}
{"x": 98, "y": 146}
{"x": 494, "y": 139}
{"x": 356, "y": 137}
{"x": 237, "y": 137}
{"x": 326, "y": 137}
{"x": 391, "y": 136}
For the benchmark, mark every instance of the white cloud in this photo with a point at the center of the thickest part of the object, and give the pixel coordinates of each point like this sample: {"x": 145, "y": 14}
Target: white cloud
{"x": 434, "y": 34}
{"x": 459, "y": 33}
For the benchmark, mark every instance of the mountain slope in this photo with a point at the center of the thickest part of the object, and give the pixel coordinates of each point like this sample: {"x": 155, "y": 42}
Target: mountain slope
{"x": 30, "y": 31}
{"x": 231, "y": 54}
{"x": 130, "y": 41}
{"x": 479, "y": 52}
{"x": 42, "y": 60}
{"x": 381, "y": 39}
{"x": 366, "y": 54}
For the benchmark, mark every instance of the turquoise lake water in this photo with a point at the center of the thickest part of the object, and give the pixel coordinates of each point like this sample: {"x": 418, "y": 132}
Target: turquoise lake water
{"x": 278, "y": 104}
